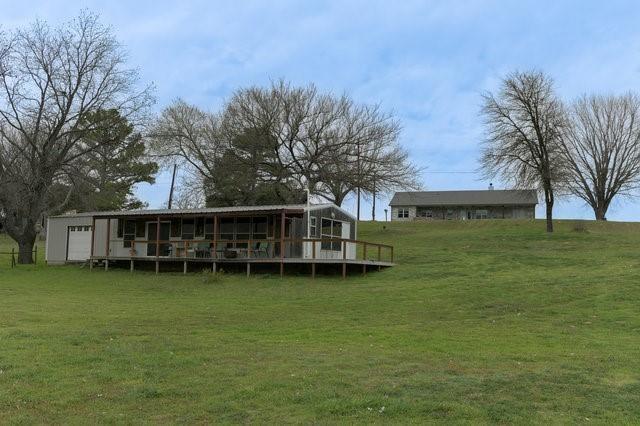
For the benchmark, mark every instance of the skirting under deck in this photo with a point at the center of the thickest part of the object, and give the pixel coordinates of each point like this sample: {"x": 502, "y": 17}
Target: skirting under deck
{"x": 366, "y": 265}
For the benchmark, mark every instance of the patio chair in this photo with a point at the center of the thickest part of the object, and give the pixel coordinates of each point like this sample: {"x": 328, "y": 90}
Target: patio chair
{"x": 261, "y": 249}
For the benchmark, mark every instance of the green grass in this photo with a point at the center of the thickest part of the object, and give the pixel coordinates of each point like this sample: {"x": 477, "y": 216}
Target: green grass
{"x": 480, "y": 322}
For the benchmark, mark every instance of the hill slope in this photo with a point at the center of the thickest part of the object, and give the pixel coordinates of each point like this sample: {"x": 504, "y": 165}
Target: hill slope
{"x": 480, "y": 321}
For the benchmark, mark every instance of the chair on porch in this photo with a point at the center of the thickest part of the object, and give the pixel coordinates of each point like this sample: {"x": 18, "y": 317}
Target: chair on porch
{"x": 261, "y": 249}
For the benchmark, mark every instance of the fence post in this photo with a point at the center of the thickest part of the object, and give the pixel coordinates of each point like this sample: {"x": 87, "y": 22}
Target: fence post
{"x": 13, "y": 257}
{"x": 35, "y": 260}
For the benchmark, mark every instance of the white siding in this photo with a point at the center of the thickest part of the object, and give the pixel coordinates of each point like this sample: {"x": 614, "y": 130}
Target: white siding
{"x": 57, "y": 232}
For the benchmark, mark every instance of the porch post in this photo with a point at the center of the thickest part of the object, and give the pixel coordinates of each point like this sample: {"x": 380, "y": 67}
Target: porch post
{"x": 214, "y": 255}
{"x": 364, "y": 258}
{"x": 282, "y": 225}
{"x": 157, "y": 244}
{"x": 93, "y": 233}
{"x": 344, "y": 256}
{"x": 313, "y": 258}
{"x": 106, "y": 261}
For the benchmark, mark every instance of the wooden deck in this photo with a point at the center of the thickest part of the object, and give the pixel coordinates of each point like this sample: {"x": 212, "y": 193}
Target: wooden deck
{"x": 363, "y": 265}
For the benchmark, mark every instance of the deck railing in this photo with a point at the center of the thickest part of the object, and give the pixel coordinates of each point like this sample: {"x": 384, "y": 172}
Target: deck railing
{"x": 265, "y": 249}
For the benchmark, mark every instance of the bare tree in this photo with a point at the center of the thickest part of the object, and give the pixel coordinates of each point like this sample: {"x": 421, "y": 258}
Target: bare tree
{"x": 274, "y": 142}
{"x": 602, "y": 147}
{"x": 50, "y": 79}
{"x": 525, "y": 121}
{"x": 186, "y": 134}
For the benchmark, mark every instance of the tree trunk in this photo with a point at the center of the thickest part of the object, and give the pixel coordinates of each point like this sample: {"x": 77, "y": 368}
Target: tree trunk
{"x": 600, "y": 209}
{"x": 358, "y": 204}
{"x": 548, "y": 198}
{"x": 25, "y": 248}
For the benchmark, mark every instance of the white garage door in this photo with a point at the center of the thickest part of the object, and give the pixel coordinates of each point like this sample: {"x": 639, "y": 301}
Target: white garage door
{"x": 79, "y": 243}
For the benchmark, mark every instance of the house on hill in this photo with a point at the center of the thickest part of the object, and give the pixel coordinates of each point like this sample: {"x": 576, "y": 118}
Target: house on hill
{"x": 464, "y": 205}
{"x": 311, "y": 234}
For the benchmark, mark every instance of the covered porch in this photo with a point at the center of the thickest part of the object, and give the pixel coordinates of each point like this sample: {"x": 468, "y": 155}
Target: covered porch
{"x": 256, "y": 236}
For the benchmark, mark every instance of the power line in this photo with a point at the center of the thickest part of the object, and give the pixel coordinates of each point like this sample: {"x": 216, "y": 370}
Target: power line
{"x": 452, "y": 172}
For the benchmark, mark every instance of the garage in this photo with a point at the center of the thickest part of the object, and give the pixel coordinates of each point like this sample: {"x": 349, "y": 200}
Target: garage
{"x": 79, "y": 243}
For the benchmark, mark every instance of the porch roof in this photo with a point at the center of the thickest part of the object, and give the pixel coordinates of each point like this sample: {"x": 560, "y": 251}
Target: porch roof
{"x": 293, "y": 208}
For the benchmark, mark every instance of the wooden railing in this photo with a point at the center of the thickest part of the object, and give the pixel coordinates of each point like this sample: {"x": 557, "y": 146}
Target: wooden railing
{"x": 268, "y": 249}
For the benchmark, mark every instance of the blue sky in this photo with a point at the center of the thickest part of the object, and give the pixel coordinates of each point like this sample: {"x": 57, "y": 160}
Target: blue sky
{"x": 428, "y": 62}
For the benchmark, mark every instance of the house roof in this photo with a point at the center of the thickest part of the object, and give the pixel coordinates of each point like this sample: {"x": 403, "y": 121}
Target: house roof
{"x": 465, "y": 198}
{"x": 210, "y": 210}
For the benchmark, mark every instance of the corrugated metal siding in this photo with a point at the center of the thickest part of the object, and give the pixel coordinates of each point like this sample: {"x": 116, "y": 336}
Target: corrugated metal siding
{"x": 338, "y": 214}
{"x": 172, "y": 212}
{"x": 100, "y": 236}
{"x": 57, "y": 236}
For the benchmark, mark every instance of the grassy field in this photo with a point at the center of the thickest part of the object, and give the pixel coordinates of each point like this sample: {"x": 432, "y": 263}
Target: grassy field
{"x": 480, "y": 322}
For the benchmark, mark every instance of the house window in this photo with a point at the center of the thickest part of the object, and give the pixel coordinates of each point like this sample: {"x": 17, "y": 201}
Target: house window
{"x": 226, "y": 228}
{"x": 331, "y": 228}
{"x": 481, "y": 214}
{"x": 403, "y": 213}
{"x": 259, "y": 228}
{"x": 199, "y": 227}
{"x": 243, "y": 228}
{"x": 208, "y": 229}
{"x": 188, "y": 227}
{"x": 129, "y": 233}
{"x": 176, "y": 227}
{"x": 313, "y": 226}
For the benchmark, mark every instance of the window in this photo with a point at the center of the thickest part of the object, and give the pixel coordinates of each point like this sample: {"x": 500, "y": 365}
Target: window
{"x": 331, "y": 229}
{"x": 176, "y": 227}
{"x": 199, "y": 227}
{"x": 188, "y": 226}
{"x": 481, "y": 214}
{"x": 226, "y": 228}
{"x": 259, "y": 228}
{"x": 208, "y": 229}
{"x": 313, "y": 226}
{"x": 403, "y": 213}
{"x": 129, "y": 232}
{"x": 243, "y": 228}
{"x": 141, "y": 226}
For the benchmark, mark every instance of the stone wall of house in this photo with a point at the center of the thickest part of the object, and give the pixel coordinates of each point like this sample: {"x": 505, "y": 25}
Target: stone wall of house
{"x": 462, "y": 213}
{"x": 397, "y": 210}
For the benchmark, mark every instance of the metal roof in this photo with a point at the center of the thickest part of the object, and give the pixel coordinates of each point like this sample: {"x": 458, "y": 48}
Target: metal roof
{"x": 210, "y": 210}
{"x": 492, "y": 197}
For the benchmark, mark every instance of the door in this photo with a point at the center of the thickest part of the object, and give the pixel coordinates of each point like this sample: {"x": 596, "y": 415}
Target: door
{"x": 351, "y": 247}
{"x": 152, "y": 233}
{"x": 78, "y": 243}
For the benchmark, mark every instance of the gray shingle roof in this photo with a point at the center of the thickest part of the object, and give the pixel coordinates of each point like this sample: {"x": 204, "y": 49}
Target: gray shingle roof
{"x": 465, "y": 198}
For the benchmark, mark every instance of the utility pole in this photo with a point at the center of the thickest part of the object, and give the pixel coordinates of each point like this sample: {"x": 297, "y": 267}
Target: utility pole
{"x": 373, "y": 208}
{"x": 173, "y": 181}
{"x": 359, "y": 179}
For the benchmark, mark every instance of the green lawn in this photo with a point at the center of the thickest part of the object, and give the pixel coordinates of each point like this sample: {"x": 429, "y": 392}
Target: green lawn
{"x": 479, "y": 322}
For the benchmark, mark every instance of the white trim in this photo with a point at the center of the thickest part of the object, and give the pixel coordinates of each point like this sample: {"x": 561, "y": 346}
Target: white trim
{"x": 330, "y": 205}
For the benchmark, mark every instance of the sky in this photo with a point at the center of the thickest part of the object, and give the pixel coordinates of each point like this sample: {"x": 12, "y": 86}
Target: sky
{"x": 426, "y": 62}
